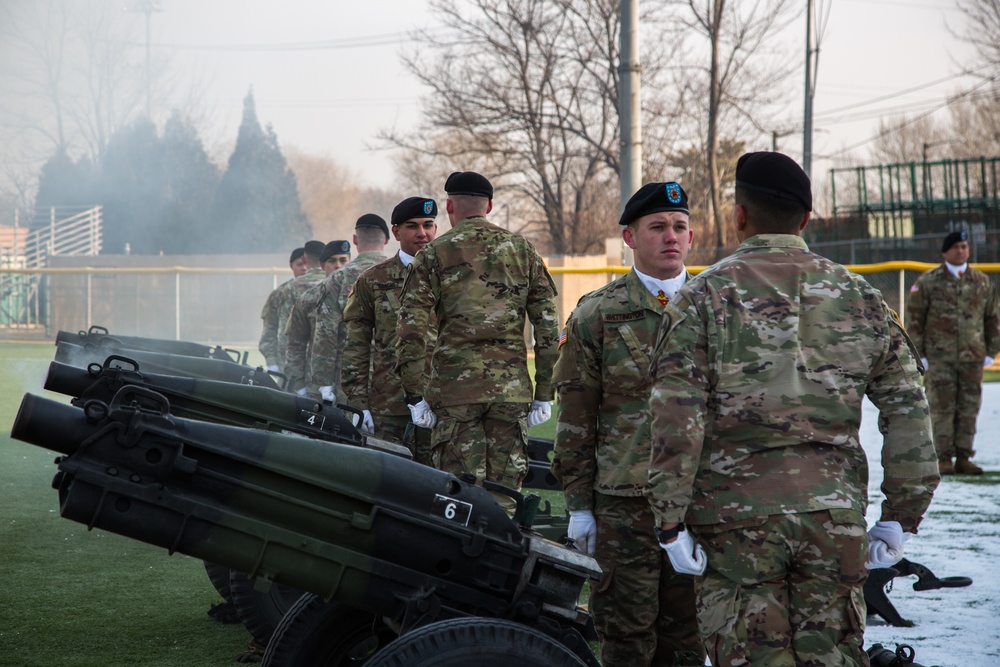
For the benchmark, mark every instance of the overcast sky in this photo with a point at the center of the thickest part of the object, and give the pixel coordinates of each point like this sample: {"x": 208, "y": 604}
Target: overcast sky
{"x": 327, "y": 73}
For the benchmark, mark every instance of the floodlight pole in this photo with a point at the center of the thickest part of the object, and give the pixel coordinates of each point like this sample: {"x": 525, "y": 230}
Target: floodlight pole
{"x": 807, "y": 120}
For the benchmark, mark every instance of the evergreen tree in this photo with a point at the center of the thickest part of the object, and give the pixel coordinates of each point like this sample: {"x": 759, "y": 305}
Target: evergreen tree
{"x": 131, "y": 190}
{"x": 64, "y": 182}
{"x": 257, "y": 206}
{"x": 190, "y": 181}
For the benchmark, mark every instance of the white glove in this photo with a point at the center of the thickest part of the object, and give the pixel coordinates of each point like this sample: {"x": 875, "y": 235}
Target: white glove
{"x": 686, "y": 555}
{"x": 328, "y": 393}
{"x": 273, "y": 368}
{"x": 540, "y": 412}
{"x": 367, "y": 424}
{"x": 885, "y": 544}
{"x": 923, "y": 360}
{"x": 422, "y": 415}
{"x": 987, "y": 362}
{"x": 301, "y": 391}
{"x": 583, "y": 531}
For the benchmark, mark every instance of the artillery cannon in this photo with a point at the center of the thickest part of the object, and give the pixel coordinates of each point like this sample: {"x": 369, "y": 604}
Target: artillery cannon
{"x": 418, "y": 553}
{"x": 99, "y": 336}
{"x": 223, "y": 370}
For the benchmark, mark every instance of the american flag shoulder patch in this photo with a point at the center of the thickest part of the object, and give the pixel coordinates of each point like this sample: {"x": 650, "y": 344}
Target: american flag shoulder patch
{"x": 563, "y": 335}
{"x": 915, "y": 288}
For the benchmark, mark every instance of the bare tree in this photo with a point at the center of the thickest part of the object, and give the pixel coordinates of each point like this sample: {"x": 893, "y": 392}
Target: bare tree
{"x": 742, "y": 68}
{"x": 982, "y": 28}
{"x": 527, "y": 91}
{"x": 909, "y": 140}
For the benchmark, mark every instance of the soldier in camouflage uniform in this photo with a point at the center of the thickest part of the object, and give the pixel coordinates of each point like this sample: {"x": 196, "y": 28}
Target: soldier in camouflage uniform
{"x": 299, "y": 322}
{"x": 368, "y": 377}
{"x": 370, "y": 236}
{"x": 643, "y": 610}
{"x": 759, "y": 372}
{"x": 269, "y": 345}
{"x": 953, "y": 318}
{"x": 480, "y": 281}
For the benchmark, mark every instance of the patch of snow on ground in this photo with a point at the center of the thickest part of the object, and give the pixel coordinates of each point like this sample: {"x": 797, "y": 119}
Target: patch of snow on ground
{"x": 960, "y": 536}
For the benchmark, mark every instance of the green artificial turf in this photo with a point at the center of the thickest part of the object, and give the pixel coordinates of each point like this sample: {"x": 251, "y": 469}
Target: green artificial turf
{"x": 70, "y": 597}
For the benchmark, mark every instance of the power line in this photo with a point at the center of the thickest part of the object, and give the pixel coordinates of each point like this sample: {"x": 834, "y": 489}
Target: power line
{"x": 906, "y": 91}
{"x": 913, "y": 120}
{"x": 322, "y": 45}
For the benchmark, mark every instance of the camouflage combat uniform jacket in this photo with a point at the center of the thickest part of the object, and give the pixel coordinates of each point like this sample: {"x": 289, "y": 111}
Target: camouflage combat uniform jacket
{"x": 272, "y": 336}
{"x": 602, "y": 434}
{"x": 368, "y": 376}
{"x": 759, "y": 373}
{"x": 481, "y": 281}
{"x": 298, "y": 287}
{"x": 330, "y": 333}
{"x": 954, "y": 320}
{"x": 299, "y": 334}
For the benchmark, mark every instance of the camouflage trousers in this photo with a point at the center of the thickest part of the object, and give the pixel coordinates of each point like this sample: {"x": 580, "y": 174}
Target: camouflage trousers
{"x": 785, "y": 590}
{"x": 489, "y": 440}
{"x": 643, "y": 611}
{"x": 955, "y": 393}
{"x": 400, "y": 429}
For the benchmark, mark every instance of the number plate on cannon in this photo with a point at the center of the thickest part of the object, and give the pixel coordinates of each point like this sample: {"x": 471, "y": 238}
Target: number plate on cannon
{"x": 453, "y": 510}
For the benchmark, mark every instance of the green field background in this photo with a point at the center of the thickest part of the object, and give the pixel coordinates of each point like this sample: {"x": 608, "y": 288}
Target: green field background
{"x": 70, "y": 597}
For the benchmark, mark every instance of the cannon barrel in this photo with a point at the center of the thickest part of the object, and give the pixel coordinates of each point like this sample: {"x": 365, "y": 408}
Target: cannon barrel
{"x": 166, "y": 364}
{"x": 98, "y": 335}
{"x": 373, "y": 531}
{"x": 246, "y": 405}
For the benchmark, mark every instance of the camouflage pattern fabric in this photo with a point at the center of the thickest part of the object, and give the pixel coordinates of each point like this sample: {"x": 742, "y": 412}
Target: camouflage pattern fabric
{"x": 403, "y": 431}
{"x": 954, "y": 323}
{"x": 789, "y": 343}
{"x": 951, "y": 320}
{"x": 602, "y": 430}
{"x": 755, "y": 602}
{"x": 758, "y": 377}
{"x": 369, "y": 376}
{"x": 330, "y": 333}
{"x": 481, "y": 281}
{"x": 489, "y": 440}
{"x": 296, "y": 288}
{"x": 299, "y": 333}
{"x": 272, "y": 336}
{"x": 644, "y": 612}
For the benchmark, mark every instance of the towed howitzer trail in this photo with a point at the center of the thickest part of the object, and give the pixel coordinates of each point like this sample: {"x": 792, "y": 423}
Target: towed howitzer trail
{"x": 373, "y": 531}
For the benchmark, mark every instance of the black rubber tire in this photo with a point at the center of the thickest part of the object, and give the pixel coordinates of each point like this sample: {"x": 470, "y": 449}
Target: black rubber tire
{"x": 219, "y": 576}
{"x": 325, "y": 634}
{"x": 259, "y": 612}
{"x": 483, "y": 642}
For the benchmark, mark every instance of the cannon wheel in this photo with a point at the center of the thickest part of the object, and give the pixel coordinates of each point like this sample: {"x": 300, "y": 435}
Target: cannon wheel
{"x": 325, "y": 634}
{"x": 260, "y": 612}
{"x": 219, "y": 576}
{"x": 484, "y": 642}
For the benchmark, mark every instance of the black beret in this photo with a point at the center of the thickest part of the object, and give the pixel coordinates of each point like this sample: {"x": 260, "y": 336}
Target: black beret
{"x": 954, "y": 238}
{"x": 654, "y": 198}
{"x": 414, "y": 207}
{"x": 776, "y": 175}
{"x": 373, "y": 221}
{"x": 335, "y": 248}
{"x": 468, "y": 183}
{"x": 313, "y": 248}
{"x": 298, "y": 252}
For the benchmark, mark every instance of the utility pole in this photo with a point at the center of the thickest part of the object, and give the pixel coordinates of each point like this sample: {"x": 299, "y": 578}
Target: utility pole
{"x": 147, "y": 7}
{"x": 807, "y": 121}
{"x": 630, "y": 108}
